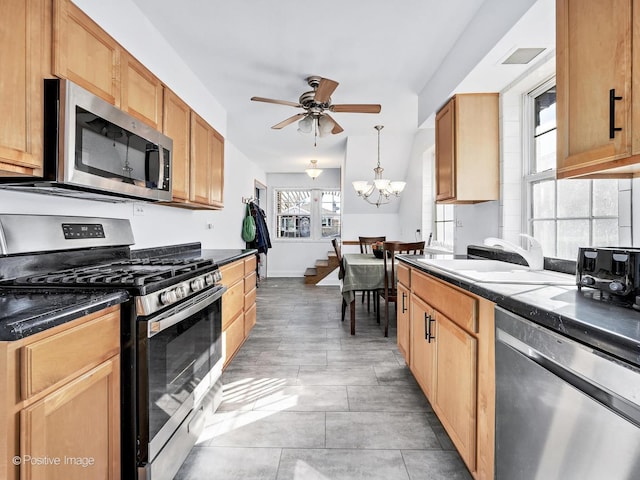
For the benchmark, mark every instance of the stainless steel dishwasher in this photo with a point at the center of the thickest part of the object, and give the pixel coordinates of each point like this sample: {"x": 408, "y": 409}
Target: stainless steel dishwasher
{"x": 563, "y": 410}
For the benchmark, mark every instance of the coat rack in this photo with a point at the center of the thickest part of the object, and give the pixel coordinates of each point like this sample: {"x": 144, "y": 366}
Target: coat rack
{"x": 247, "y": 199}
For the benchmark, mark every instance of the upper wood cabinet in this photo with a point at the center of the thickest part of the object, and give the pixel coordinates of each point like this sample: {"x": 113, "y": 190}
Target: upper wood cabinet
{"x": 207, "y": 163}
{"x": 141, "y": 92}
{"x": 84, "y": 53}
{"x": 25, "y": 36}
{"x": 177, "y": 126}
{"x": 597, "y": 62}
{"x": 467, "y": 149}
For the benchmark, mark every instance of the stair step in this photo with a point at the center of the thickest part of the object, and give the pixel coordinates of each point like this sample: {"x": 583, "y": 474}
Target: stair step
{"x": 322, "y": 263}
{"x": 310, "y": 272}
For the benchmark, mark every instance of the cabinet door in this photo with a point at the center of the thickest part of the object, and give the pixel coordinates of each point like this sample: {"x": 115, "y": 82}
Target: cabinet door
{"x": 23, "y": 36}
{"x": 593, "y": 57}
{"x": 78, "y": 424}
{"x": 423, "y": 349}
{"x": 176, "y": 125}
{"x": 141, "y": 92}
{"x": 445, "y": 152}
{"x": 403, "y": 320}
{"x": 456, "y": 384}
{"x": 217, "y": 170}
{"x": 201, "y": 168}
{"x": 84, "y": 53}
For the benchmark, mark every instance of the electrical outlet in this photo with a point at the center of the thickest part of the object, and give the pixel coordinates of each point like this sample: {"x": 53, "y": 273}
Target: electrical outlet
{"x": 138, "y": 209}
{"x": 418, "y": 230}
{"x": 209, "y": 226}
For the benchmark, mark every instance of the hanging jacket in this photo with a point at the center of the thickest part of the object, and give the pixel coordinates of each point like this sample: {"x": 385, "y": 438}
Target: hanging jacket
{"x": 262, "y": 241}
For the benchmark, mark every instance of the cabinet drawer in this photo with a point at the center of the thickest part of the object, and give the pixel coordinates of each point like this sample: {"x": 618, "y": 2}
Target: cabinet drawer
{"x": 250, "y": 264}
{"x": 232, "y": 303}
{"x": 455, "y": 304}
{"x": 52, "y": 360}
{"x": 404, "y": 275}
{"x": 249, "y": 299}
{"x": 250, "y": 282}
{"x": 233, "y": 337}
{"x": 232, "y": 273}
{"x": 249, "y": 319}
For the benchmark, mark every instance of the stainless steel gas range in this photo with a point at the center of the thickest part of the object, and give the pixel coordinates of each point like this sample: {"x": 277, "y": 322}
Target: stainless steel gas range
{"x": 171, "y": 347}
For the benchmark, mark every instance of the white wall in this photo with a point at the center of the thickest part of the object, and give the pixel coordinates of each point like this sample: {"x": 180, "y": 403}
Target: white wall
{"x": 160, "y": 225}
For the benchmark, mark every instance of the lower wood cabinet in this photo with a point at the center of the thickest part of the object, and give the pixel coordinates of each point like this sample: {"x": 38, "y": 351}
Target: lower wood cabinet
{"x": 404, "y": 311}
{"x": 238, "y": 304}
{"x": 60, "y": 401}
{"x": 451, "y": 342}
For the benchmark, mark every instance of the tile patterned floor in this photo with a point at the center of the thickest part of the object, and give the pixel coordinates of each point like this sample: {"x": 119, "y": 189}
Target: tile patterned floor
{"x": 304, "y": 400}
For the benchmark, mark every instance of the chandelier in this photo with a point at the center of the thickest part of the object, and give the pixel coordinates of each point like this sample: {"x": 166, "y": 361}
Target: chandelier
{"x": 312, "y": 170}
{"x": 385, "y": 188}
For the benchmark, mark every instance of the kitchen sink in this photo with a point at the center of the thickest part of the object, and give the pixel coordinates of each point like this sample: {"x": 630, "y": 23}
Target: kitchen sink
{"x": 493, "y": 271}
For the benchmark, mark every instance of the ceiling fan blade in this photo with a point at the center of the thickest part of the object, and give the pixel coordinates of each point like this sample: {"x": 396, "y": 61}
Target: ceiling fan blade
{"x": 288, "y": 121}
{"x": 278, "y": 102}
{"x": 324, "y": 90}
{"x": 336, "y": 127}
{"x": 356, "y": 108}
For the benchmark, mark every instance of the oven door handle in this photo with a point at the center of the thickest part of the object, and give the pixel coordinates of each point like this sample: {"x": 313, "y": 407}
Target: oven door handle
{"x": 183, "y": 311}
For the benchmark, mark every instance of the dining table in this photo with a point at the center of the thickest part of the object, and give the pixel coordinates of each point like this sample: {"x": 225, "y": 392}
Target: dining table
{"x": 362, "y": 271}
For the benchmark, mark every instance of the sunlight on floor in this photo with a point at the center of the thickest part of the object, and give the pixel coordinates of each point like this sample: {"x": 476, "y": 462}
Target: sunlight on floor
{"x": 304, "y": 471}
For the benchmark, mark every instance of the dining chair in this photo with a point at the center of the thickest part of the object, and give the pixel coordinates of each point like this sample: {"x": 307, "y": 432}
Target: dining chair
{"x": 366, "y": 247}
{"x": 389, "y": 292}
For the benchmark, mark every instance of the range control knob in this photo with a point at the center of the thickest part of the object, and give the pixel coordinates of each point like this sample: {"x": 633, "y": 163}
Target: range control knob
{"x": 181, "y": 291}
{"x": 588, "y": 281}
{"x": 168, "y": 297}
{"x": 616, "y": 287}
{"x": 197, "y": 284}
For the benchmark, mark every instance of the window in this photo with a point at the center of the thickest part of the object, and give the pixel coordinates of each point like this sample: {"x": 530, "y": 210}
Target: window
{"x": 307, "y": 214}
{"x": 563, "y": 214}
{"x": 444, "y": 225}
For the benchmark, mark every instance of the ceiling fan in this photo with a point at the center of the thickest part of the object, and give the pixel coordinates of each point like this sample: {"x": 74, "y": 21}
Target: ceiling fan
{"x": 316, "y": 103}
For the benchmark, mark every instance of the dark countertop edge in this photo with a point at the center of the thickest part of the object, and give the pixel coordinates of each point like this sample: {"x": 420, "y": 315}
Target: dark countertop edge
{"x": 63, "y": 315}
{"x": 226, "y": 256}
{"x": 626, "y": 348}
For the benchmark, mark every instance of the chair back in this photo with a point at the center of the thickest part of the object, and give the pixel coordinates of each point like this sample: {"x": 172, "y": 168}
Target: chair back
{"x": 389, "y": 254}
{"x": 366, "y": 242}
{"x": 338, "y": 249}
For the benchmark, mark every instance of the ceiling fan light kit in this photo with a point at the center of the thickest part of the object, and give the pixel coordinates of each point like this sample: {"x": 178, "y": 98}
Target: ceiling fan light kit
{"x": 312, "y": 170}
{"x": 386, "y": 188}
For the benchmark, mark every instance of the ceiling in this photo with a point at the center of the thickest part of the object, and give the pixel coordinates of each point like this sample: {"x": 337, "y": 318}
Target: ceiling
{"x": 403, "y": 55}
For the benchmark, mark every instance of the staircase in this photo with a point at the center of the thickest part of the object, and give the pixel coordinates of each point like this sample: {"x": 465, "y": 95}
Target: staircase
{"x": 322, "y": 268}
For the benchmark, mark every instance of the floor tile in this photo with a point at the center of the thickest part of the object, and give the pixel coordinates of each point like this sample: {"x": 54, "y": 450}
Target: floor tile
{"x": 435, "y": 465}
{"x": 266, "y": 429}
{"x": 305, "y": 398}
{"x": 384, "y": 398}
{"x": 347, "y": 464}
{"x": 360, "y": 375}
{"x": 207, "y": 463}
{"x": 379, "y": 430}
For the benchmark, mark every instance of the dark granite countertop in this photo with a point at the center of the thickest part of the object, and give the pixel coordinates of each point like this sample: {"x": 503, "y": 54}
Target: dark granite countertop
{"x": 24, "y": 313}
{"x": 223, "y": 257}
{"x": 564, "y": 309}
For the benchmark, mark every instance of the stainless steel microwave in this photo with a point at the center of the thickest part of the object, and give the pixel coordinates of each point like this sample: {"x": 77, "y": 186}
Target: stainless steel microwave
{"x": 92, "y": 147}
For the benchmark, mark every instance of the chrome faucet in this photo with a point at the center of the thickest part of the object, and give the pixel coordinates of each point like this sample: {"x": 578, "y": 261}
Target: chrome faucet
{"x": 533, "y": 255}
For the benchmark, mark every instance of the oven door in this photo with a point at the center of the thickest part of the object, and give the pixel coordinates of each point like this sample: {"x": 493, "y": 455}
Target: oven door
{"x": 179, "y": 360}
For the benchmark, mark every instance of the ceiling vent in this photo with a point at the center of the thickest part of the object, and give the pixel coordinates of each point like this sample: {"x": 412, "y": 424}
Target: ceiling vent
{"x": 522, "y": 56}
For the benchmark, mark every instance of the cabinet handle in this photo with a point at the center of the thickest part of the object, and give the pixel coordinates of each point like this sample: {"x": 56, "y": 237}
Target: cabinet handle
{"x": 426, "y": 327}
{"x": 430, "y": 337}
{"x": 404, "y": 295}
{"x": 612, "y": 113}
